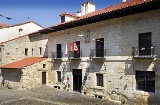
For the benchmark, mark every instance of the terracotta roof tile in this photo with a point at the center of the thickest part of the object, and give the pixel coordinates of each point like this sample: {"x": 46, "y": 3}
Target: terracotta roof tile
{"x": 114, "y": 7}
{"x": 69, "y": 14}
{"x": 107, "y": 10}
{"x": 3, "y": 25}
{"x": 23, "y": 63}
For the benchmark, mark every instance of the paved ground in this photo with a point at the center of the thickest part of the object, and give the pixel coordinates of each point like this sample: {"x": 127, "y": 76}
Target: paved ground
{"x": 47, "y": 96}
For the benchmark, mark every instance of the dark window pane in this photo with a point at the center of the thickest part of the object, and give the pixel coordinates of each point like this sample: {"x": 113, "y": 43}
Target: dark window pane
{"x": 99, "y": 79}
{"x": 145, "y": 80}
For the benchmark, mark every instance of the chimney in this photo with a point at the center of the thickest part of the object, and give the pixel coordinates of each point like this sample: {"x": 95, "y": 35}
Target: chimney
{"x": 124, "y": 1}
{"x": 87, "y": 7}
{"x": 78, "y": 13}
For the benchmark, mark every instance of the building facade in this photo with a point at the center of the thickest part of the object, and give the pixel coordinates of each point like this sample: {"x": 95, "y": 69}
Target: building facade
{"x": 112, "y": 53}
{"x": 24, "y": 61}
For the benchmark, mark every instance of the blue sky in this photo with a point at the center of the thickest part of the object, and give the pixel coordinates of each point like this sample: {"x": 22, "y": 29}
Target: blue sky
{"x": 44, "y": 12}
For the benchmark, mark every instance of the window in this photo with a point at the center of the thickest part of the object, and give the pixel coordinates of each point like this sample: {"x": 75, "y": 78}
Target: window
{"x": 100, "y": 47}
{"x": 145, "y": 44}
{"x": 145, "y": 80}
{"x": 26, "y": 51}
{"x": 40, "y": 50}
{"x": 99, "y": 79}
{"x": 76, "y": 49}
{"x": 62, "y": 19}
{"x": 44, "y": 65}
{"x": 32, "y": 51}
{"x": 59, "y": 55}
{"x": 58, "y": 76}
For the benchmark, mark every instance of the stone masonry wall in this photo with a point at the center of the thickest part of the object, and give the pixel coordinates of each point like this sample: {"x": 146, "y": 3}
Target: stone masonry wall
{"x": 14, "y": 50}
{"x": 26, "y": 78}
{"x": 118, "y": 68}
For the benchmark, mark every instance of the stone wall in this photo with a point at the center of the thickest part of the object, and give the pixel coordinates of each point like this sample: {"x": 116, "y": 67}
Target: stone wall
{"x": 14, "y": 50}
{"x": 118, "y": 67}
{"x": 26, "y": 78}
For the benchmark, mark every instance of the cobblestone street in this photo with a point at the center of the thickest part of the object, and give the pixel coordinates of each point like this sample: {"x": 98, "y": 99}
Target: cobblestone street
{"x": 47, "y": 96}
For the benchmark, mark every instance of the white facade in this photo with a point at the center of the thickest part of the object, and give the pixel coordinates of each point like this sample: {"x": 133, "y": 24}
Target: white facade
{"x": 87, "y": 8}
{"x": 15, "y": 31}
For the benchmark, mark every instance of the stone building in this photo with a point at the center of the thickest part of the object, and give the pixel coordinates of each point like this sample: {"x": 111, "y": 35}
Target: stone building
{"x": 113, "y": 52}
{"x": 25, "y": 74}
{"x": 27, "y": 52}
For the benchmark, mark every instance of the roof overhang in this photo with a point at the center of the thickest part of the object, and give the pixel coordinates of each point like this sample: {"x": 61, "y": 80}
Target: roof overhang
{"x": 131, "y": 10}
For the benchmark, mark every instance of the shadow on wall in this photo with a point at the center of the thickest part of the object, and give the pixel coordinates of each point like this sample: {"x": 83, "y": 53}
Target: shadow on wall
{"x": 12, "y": 74}
{"x": 46, "y": 51}
{"x": 153, "y": 99}
{"x": 0, "y": 73}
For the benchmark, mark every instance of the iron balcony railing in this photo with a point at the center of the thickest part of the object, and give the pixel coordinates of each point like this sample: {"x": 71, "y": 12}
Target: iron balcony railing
{"x": 95, "y": 53}
{"x": 56, "y": 55}
{"x": 142, "y": 52}
{"x": 74, "y": 54}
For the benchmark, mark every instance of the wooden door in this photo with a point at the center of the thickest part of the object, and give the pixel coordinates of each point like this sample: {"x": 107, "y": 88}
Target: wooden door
{"x": 43, "y": 77}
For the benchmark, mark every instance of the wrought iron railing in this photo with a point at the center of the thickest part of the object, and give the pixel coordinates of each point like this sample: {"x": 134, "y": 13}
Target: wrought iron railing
{"x": 56, "y": 55}
{"x": 142, "y": 52}
{"x": 94, "y": 53}
{"x": 74, "y": 55}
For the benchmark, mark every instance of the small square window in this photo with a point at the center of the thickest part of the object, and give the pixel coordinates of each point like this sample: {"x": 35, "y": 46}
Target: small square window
{"x": 32, "y": 51}
{"x": 40, "y": 50}
{"x": 44, "y": 65}
{"x": 26, "y": 51}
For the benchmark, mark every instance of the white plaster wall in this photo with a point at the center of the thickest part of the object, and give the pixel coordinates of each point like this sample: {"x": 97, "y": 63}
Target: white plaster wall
{"x": 87, "y": 8}
{"x": 69, "y": 18}
{"x": 13, "y": 32}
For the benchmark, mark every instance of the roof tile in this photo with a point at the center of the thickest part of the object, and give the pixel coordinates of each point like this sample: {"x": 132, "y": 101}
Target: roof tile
{"x": 23, "y": 63}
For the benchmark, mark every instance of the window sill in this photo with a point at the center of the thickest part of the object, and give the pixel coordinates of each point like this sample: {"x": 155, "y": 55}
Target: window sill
{"x": 58, "y": 83}
{"x": 143, "y": 92}
{"x": 99, "y": 87}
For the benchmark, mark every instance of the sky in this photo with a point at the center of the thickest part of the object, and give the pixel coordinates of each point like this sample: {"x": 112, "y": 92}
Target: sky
{"x": 44, "y": 12}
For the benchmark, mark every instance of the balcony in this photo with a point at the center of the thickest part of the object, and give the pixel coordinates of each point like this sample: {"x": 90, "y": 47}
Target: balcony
{"x": 56, "y": 55}
{"x": 97, "y": 54}
{"x": 74, "y": 55}
{"x": 140, "y": 52}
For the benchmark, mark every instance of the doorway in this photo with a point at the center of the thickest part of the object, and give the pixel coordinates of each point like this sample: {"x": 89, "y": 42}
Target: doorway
{"x": 43, "y": 78}
{"x": 59, "y": 55}
{"x": 77, "y": 79}
{"x": 145, "y": 44}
